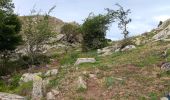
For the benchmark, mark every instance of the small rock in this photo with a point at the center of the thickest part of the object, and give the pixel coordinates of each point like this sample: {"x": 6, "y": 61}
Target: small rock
{"x": 52, "y": 72}
{"x": 84, "y": 60}
{"x": 128, "y": 47}
{"x": 92, "y": 76}
{"x": 165, "y": 66}
{"x": 117, "y": 50}
{"x": 27, "y": 77}
{"x": 55, "y": 92}
{"x": 50, "y": 96}
{"x": 82, "y": 83}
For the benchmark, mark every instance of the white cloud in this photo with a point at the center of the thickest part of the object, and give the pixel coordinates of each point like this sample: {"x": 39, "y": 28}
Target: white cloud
{"x": 161, "y": 18}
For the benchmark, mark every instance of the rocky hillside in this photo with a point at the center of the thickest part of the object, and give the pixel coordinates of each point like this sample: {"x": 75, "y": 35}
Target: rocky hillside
{"x": 53, "y": 21}
{"x": 138, "y": 71}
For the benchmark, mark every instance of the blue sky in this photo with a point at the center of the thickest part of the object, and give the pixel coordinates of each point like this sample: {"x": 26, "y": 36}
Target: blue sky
{"x": 145, "y": 15}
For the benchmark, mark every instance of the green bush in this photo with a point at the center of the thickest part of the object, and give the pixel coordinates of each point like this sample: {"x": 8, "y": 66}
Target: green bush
{"x": 38, "y": 59}
{"x": 94, "y": 31}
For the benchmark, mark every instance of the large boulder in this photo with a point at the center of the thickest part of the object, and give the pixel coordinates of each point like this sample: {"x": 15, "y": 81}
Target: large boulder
{"x": 128, "y": 47}
{"x": 107, "y": 50}
{"x": 37, "y": 92}
{"x": 27, "y": 77}
{"x": 85, "y": 60}
{"x": 164, "y": 31}
{"x": 7, "y": 96}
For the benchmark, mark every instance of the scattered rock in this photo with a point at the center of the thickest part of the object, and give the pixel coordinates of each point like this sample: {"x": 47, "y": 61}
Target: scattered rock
{"x": 128, "y": 47}
{"x": 107, "y": 50}
{"x": 50, "y": 96}
{"x": 7, "y": 96}
{"x": 138, "y": 41}
{"x": 27, "y": 77}
{"x": 37, "y": 88}
{"x": 164, "y": 31}
{"x": 84, "y": 60}
{"x": 92, "y": 76}
{"x": 117, "y": 50}
{"x": 52, "y": 72}
{"x": 81, "y": 83}
{"x": 55, "y": 92}
{"x": 165, "y": 66}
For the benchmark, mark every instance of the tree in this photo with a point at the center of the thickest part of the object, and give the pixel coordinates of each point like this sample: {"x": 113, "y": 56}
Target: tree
{"x": 94, "y": 31}
{"x": 121, "y": 16}
{"x": 71, "y": 32}
{"x": 9, "y": 30}
{"x": 36, "y": 33}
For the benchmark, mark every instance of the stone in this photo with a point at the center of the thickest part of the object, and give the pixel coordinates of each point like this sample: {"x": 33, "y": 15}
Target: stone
{"x": 7, "y": 96}
{"x": 165, "y": 66}
{"x": 164, "y": 98}
{"x": 50, "y": 96}
{"x": 138, "y": 41}
{"x": 52, "y": 72}
{"x": 92, "y": 76}
{"x": 128, "y": 47}
{"x": 27, "y": 77}
{"x": 164, "y": 32}
{"x": 81, "y": 83}
{"x": 107, "y": 50}
{"x": 85, "y": 60}
{"x": 117, "y": 50}
{"x": 55, "y": 92}
{"x": 37, "y": 92}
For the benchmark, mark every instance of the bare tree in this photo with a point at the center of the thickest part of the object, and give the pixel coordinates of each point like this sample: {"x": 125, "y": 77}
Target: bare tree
{"x": 121, "y": 16}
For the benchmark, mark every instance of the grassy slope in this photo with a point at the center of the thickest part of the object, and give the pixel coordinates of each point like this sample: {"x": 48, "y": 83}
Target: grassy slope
{"x": 139, "y": 70}
{"x": 131, "y": 75}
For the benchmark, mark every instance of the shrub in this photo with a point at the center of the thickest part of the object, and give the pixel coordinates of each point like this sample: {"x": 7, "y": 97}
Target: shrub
{"x": 71, "y": 32}
{"x": 94, "y": 31}
{"x": 39, "y": 59}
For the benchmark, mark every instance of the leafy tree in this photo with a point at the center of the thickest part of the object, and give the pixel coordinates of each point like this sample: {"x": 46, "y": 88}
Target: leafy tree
{"x": 94, "y": 31}
{"x": 6, "y": 6}
{"x": 71, "y": 31}
{"x": 9, "y": 30}
{"x": 121, "y": 16}
{"x": 72, "y": 34}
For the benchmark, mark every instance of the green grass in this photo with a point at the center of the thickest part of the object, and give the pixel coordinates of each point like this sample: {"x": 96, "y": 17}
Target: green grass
{"x": 25, "y": 89}
{"x": 109, "y": 82}
{"x": 12, "y": 85}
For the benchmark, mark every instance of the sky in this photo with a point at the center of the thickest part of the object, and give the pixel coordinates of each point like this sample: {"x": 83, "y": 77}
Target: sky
{"x": 145, "y": 14}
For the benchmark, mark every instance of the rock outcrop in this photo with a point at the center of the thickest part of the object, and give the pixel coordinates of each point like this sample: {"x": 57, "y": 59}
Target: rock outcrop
{"x": 128, "y": 47}
{"x": 163, "y": 31}
{"x": 37, "y": 92}
{"x": 107, "y": 50}
{"x": 7, "y": 96}
{"x": 85, "y": 60}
